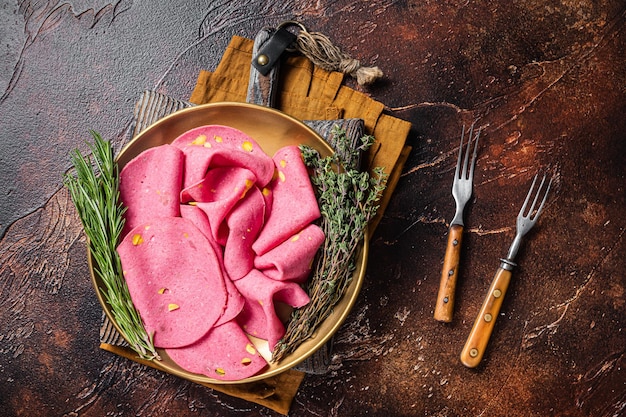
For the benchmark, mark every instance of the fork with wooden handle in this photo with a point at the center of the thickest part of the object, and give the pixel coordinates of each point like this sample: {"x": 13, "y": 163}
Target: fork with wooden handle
{"x": 476, "y": 343}
{"x": 461, "y": 191}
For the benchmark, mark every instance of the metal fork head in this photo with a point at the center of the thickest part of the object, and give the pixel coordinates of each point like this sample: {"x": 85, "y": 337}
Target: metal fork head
{"x": 464, "y": 173}
{"x": 528, "y": 216}
{"x": 526, "y": 219}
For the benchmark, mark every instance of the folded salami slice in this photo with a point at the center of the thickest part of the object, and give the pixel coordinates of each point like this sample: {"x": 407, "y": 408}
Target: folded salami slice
{"x": 150, "y": 185}
{"x": 217, "y": 194}
{"x": 234, "y": 301}
{"x": 294, "y": 205}
{"x": 175, "y": 280}
{"x": 224, "y": 353}
{"x": 223, "y": 183}
{"x": 214, "y": 146}
{"x": 244, "y": 223}
{"x": 259, "y": 317}
{"x": 292, "y": 259}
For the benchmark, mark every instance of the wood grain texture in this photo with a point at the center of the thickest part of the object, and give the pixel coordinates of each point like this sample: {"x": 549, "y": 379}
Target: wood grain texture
{"x": 478, "y": 339}
{"x": 545, "y": 82}
{"x": 444, "y": 306}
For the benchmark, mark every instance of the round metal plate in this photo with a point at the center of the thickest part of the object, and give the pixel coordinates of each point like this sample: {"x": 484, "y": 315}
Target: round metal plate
{"x": 272, "y": 130}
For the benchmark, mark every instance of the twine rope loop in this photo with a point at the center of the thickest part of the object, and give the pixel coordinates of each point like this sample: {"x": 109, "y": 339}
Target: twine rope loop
{"x": 322, "y": 52}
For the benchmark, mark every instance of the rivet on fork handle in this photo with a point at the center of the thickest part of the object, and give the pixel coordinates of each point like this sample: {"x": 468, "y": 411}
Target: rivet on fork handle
{"x": 477, "y": 341}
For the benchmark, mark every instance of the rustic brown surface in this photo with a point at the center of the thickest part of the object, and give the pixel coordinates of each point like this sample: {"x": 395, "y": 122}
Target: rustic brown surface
{"x": 546, "y": 80}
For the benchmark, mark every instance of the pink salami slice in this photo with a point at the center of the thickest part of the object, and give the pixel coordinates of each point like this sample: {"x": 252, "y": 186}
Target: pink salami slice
{"x": 244, "y": 223}
{"x": 292, "y": 259}
{"x": 294, "y": 205}
{"x": 234, "y": 301}
{"x": 259, "y": 317}
{"x": 215, "y": 145}
{"x": 150, "y": 185}
{"x": 224, "y": 353}
{"x": 175, "y": 280}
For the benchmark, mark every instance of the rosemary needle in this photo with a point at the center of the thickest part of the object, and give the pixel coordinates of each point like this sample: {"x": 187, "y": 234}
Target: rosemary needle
{"x": 95, "y": 193}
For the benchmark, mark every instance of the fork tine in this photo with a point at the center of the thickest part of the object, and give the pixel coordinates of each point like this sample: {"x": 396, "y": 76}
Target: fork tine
{"x": 457, "y": 171}
{"x": 523, "y": 209}
{"x": 530, "y": 212}
{"x": 471, "y": 173}
{"x": 467, "y": 151}
{"x": 532, "y": 207}
{"x": 545, "y": 196}
{"x": 467, "y": 170}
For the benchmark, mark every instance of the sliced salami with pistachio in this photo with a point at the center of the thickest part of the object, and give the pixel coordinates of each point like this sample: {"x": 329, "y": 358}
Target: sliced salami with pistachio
{"x": 218, "y": 233}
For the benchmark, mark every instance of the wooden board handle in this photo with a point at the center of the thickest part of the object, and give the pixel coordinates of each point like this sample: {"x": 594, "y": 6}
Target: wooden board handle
{"x": 444, "y": 308}
{"x": 476, "y": 343}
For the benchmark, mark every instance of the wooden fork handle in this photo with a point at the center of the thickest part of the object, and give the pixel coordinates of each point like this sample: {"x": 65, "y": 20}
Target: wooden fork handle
{"x": 476, "y": 343}
{"x": 444, "y": 308}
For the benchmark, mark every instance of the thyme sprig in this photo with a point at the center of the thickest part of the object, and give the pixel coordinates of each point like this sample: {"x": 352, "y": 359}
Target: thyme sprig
{"x": 348, "y": 200}
{"x": 94, "y": 189}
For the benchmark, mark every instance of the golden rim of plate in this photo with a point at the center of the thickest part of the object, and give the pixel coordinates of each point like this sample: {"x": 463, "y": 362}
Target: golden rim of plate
{"x": 272, "y": 129}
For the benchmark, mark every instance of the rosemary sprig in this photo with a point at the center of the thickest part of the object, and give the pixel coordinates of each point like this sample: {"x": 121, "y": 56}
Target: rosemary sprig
{"x": 348, "y": 199}
{"x": 95, "y": 193}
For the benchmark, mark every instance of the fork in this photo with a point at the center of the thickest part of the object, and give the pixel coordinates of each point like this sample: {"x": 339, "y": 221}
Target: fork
{"x": 476, "y": 343}
{"x": 461, "y": 191}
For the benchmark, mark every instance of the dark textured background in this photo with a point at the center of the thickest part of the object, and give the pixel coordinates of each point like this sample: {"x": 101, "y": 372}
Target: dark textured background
{"x": 545, "y": 79}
